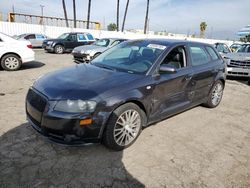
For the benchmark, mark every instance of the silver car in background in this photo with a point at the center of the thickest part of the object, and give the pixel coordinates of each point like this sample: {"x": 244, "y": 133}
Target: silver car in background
{"x": 35, "y": 39}
{"x": 83, "y": 54}
{"x": 238, "y": 64}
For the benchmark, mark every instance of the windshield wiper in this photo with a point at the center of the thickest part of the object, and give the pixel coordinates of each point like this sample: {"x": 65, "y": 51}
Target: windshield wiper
{"x": 104, "y": 67}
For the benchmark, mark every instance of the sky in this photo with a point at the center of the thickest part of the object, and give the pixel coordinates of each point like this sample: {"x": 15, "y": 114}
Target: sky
{"x": 223, "y": 17}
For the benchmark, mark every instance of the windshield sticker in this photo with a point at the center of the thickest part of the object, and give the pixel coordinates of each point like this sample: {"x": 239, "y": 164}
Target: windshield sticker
{"x": 157, "y": 46}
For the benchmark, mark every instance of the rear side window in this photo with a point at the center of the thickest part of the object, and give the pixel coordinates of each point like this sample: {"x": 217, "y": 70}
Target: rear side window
{"x": 81, "y": 37}
{"x": 212, "y": 53}
{"x": 30, "y": 37}
{"x": 40, "y": 37}
{"x": 199, "y": 56}
{"x": 90, "y": 37}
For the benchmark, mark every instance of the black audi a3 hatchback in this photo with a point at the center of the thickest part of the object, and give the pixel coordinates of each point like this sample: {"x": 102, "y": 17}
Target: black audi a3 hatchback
{"x": 125, "y": 89}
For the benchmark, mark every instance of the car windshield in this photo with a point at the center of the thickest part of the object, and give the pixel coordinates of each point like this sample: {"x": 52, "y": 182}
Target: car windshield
{"x": 63, "y": 36}
{"x": 131, "y": 57}
{"x": 102, "y": 42}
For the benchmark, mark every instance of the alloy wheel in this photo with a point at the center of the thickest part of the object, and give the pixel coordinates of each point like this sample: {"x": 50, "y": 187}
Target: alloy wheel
{"x": 217, "y": 94}
{"x": 127, "y": 127}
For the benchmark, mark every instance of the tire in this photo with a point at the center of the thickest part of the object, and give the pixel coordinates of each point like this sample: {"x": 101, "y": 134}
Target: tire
{"x": 59, "y": 49}
{"x": 215, "y": 95}
{"x": 117, "y": 136}
{"x": 11, "y": 62}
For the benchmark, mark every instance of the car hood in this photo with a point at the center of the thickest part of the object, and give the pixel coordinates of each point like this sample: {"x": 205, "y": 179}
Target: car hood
{"x": 238, "y": 56}
{"x": 89, "y": 47}
{"x": 84, "y": 81}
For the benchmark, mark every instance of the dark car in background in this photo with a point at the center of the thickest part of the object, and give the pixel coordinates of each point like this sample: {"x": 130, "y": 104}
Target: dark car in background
{"x": 67, "y": 42}
{"x": 85, "y": 53}
{"x": 124, "y": 89}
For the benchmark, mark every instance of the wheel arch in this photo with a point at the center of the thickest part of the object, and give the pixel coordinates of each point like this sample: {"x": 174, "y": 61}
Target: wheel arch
{"x": 134, "y": 101}
{"x": 9, "y": 53}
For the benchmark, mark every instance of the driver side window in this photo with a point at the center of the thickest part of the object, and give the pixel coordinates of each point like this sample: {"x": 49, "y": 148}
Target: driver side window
{"x": 176, "y": 58}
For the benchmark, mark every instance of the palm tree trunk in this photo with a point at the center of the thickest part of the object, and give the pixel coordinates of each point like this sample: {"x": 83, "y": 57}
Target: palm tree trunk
{"x": 125, "y": 14}
{"x": 74, "y": 12}
{"x": 89, "y": 7}
{"x": 117, "y": 15}
{"x": 146, "y": 18}
{"x": 65, "y": 13}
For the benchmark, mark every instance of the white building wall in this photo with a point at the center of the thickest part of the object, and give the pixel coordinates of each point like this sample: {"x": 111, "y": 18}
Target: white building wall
{"x": 12, "y": 28}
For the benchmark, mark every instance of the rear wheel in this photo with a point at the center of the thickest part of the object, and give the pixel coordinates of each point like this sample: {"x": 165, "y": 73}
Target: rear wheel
{"x": 11, "y": 62}
{"x": 59, "y": 49}
{"x": 215, "y": 95}
{"x": 124, "y": 126}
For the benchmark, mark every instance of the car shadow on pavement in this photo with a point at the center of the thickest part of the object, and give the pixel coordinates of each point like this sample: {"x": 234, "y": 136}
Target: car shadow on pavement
{"x": 242, "y": 80}
{"x": 29, "y": 160}
{"x": 31, "y": 65}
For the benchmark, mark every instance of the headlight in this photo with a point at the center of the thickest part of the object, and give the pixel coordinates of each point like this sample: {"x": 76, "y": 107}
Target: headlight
{"x": 49, "y": 42}
{"x": 75, "y": 106}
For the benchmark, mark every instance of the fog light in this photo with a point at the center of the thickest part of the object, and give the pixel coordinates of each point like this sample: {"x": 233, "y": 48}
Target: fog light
{"x": 85, "y": 121}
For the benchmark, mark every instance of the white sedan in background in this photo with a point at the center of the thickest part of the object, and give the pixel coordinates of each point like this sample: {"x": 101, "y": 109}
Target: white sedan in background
{"x": 13, "y": 52}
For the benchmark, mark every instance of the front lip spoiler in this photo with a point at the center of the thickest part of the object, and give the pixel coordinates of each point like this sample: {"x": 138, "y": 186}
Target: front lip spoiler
{"x": 52, "y": 139}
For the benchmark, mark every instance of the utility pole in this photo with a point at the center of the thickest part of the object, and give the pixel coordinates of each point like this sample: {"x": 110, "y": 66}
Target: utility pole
{"x": 42, "y": 6}
{"x": 89, "y": 7}
{"x": 13, "y": 9}
{"x": 74, "y": 12}
{"x": 146, "y": 18}
{"x": 125, "y": 15}
{"x": 117, "y": 15}
{"x": 65, "y": 13}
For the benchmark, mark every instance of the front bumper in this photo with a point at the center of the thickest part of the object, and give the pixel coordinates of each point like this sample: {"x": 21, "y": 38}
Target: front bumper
{"x": 61, "y": 127}
{"x": 239, "y": 72}
{"x": 47, "y": 47}
{"x": 81, "y": 58}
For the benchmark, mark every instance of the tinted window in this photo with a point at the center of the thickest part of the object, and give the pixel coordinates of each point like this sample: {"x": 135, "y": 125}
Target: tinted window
{"x": 1, "y": 40}
{"x": 30, "y": 37}
{"x": 212, "y": 53}
{"x": 72, "y": 37}
{"x": 199, "y": 56}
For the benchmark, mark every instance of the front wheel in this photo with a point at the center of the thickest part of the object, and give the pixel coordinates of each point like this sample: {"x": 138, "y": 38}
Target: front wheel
{"x": 59, "y": 49}
{"x": 124, "y": 126}
{"x": 11, "y": 62}
{"x": 215, "y": 95}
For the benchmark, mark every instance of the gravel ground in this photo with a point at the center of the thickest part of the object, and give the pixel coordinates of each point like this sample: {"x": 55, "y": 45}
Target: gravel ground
{"x": 198, "y": 148}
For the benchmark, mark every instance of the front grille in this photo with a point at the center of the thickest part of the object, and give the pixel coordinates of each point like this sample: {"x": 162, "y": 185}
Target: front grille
{"x": 241, "y": 64}
{"x": 238, "y": 73}
{"x": 36, "y": 100}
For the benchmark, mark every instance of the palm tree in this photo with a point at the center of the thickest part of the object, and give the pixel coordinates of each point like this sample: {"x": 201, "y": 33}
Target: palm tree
{"x": 74, "y": 12}
{"x": 89, "y": 7}
{"x": 117, "y": 15}
{"x": 65, "y": 13}
{"x": 146, "y": 18}
{"x": 125, "y": 14}
{"x": 203, "y": 26}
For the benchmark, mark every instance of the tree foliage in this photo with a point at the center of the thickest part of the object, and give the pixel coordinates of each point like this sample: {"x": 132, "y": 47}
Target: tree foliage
{"x": 245, "y": 39}
{"x": 112, "y": 27}
{"x": 203, "y": 27}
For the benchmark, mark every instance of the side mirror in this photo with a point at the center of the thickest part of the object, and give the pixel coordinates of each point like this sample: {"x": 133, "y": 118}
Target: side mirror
{"x": 167, "y": 68}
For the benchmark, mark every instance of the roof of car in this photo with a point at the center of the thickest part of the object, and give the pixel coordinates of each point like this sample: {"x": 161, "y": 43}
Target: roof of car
{"x": 172, "y": 41}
